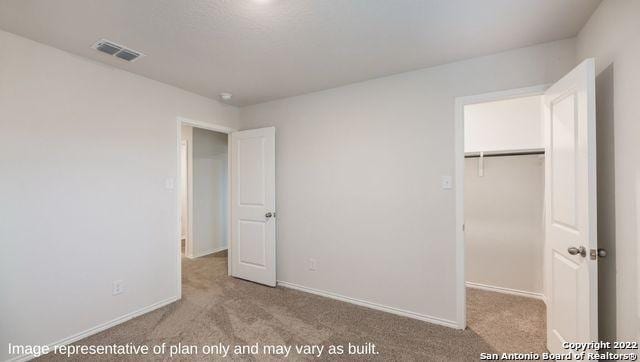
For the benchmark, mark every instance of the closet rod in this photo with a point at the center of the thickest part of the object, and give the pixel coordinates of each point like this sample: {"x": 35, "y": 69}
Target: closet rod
{"x": 523, "y": 153}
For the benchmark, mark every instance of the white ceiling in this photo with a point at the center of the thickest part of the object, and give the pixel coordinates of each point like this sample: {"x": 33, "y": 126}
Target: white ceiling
{"x": 261, "y": 50}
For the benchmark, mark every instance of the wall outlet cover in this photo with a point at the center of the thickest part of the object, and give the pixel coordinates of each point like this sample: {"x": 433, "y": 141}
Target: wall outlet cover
{"x": 118, "y": 287}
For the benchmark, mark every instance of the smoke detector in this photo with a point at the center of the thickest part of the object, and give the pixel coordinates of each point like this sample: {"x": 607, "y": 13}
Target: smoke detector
{"x": 117, "y": 50}
{"x": 226, "y": 96}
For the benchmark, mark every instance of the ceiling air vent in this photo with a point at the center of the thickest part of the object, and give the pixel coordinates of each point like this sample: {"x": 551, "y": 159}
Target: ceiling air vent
{"x": 107, "y": 47}
{"x": 127, "y": 55}
{"x": 119, "y": 51}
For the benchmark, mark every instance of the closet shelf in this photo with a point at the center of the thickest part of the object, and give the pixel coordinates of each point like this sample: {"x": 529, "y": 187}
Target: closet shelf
{"x": 532, "y": 151}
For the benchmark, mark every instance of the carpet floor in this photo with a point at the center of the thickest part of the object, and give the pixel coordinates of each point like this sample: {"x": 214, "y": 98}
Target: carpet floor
{"x": 216, "y": 308}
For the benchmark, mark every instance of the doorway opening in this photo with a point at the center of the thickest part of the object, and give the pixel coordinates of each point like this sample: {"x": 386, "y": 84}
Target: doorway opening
{"x": 570, "y": 252}
{"x": 203, "y": 200}
{"x": 242, "y": 236}
{"x": 504, "y": 222}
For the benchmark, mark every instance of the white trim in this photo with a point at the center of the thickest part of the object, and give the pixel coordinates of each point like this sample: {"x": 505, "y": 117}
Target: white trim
{"x": 520, "y": 293}
{"x": 187, "y": 236}
{"x": 460, "y": 102}
{"x": 535, "y": 90}
{"x": 209, "y": 252}
{"x": 461, "y": 293}
{"x": 364, "y": 303}
{"x": 205, "y": 125}
{"x": 180, "y": 121}
{"x": 229, "y": 185}
{"x": 101, "y": 327}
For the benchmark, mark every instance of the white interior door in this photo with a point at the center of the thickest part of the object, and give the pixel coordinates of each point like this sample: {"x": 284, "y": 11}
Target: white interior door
{"x": 570, "y": 193}
{"x": 253, "y": 225}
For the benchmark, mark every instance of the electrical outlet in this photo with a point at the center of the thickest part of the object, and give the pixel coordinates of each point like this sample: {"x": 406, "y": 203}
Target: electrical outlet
{"x": 118, "y": 287}
{"x": 312, "y": 264}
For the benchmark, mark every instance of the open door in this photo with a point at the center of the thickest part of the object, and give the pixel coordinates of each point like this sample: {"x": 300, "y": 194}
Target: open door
{"x": 252, "y": 253}
{"x": 570, "y": 194}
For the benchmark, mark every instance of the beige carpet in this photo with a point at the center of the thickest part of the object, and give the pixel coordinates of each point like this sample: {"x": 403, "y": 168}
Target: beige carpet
{"x": 507, "y": 323}
{"x": 216, "y": 309}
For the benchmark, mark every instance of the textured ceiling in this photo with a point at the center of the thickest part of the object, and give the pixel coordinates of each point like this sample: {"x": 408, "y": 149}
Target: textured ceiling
{"x": 261, "y": 50}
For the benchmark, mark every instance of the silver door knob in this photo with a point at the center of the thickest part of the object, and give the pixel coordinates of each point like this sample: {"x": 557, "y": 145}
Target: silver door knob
{"x": 268, "y": 215}
{"x": 579, "y": 250}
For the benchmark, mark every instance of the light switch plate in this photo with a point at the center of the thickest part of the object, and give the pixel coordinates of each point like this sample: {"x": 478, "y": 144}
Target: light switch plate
{"x": 447, "y": 182}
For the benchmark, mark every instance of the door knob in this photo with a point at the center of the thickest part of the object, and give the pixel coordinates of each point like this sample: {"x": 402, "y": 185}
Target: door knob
{"x": 268, "y": 215}
{"x": 579, "y": 250}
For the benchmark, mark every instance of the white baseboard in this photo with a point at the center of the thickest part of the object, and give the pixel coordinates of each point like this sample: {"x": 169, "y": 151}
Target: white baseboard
{"x": 520, "y": 293}
{"x": 208, "y": 252}
{"x": 364, "y": 303}
{"x": 100, "y": 327}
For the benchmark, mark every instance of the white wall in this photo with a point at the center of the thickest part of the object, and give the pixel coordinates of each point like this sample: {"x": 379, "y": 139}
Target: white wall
{"x": 504, "y": 228}
{"x": 506, "y": 125}
{"x": 358, "y": 178}
{"x": 210, "y": 195}
{"x": 611, "y": 36}
{"x": 85, "y": 150}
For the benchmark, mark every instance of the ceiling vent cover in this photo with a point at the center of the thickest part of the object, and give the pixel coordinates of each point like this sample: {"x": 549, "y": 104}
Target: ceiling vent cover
{"x": 116, "y": 50}
{"x": 127, "y": 55}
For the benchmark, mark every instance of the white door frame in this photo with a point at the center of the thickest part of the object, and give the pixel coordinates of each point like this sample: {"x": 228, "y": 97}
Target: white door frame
{"x": 460, "y": 102}
{"x": 184, "y": 144}
{"x": 182, "y": 121}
